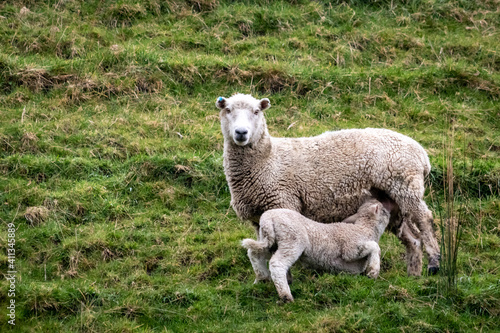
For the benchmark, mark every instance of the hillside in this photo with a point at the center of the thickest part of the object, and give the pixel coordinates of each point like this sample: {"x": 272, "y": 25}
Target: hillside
{"x": 111, "y": 157}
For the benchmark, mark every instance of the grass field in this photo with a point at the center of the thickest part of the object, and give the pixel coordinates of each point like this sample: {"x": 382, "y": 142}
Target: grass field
{"x": 111, "y": 157}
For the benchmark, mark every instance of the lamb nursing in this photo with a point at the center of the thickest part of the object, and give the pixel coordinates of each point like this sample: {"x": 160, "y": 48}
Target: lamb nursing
{"x": 335, "y": 247}
{"x": 324, "y": 177}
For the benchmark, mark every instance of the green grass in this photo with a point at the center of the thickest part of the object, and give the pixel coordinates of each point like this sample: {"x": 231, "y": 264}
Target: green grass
{"x": 108, "y": 122}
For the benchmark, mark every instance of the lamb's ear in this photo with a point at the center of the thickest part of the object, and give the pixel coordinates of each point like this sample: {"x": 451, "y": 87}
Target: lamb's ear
{"x": 220, "y": 103}
{"x": 374, "y": 209}
{"x": 264, "y": 104}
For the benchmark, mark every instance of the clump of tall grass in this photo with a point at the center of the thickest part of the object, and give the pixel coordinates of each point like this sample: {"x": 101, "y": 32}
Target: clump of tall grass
{"x": 451, "y": 218}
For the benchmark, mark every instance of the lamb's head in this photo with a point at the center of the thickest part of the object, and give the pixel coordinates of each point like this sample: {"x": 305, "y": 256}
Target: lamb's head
{"x": 375, "y": 213}
{"x": 242, "y": 119}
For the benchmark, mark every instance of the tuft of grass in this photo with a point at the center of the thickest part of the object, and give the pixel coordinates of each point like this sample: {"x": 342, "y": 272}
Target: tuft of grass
{"x": 36, "y": 215}
{"x": 450, "y": 224}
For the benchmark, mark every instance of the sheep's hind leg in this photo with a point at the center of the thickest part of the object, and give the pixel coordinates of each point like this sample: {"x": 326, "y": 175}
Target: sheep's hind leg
{"x": 416, "y": 224}
{"x": 422, "y": 218}
{"x": 279, "y": 265}
{"x": 413, "y": 250}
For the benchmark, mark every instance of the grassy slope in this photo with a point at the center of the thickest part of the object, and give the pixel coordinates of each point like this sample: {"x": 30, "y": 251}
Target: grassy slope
{"x": 108, "y": 123}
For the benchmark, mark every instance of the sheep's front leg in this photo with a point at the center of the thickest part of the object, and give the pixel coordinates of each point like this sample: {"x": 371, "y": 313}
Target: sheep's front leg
{"x": 280, "y": 263}
{"x": 259, "y": 264}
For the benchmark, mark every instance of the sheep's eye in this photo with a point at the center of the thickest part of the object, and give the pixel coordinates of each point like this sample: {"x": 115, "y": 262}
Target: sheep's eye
{"x": 256, "y": 112}
{"x": 227, "y": 110}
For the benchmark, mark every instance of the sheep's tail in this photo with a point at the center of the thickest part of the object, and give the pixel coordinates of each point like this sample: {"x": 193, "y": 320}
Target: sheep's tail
{"x": 427, "y": 165}
{"x": 266, "y": 239}
{"x": 424, "y": 159}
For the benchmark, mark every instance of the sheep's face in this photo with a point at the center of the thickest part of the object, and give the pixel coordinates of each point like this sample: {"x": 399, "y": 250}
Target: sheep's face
{"x": 242, "y": 119}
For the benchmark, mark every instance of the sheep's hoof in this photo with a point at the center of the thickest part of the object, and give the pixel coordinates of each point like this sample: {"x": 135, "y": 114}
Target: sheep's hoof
{"x": 433, "y": 270}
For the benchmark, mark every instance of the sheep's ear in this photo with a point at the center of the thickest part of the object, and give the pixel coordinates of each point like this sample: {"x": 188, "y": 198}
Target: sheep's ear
{"x": 221, "y": 103}
{"x": 264, "y": 104}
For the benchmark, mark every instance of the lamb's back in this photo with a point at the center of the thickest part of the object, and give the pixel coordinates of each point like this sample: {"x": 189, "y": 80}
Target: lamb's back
{"x": 328, "y": 243}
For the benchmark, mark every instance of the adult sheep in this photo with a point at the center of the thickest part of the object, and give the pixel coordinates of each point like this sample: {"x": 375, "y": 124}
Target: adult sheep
{"x": 325, "y": 177}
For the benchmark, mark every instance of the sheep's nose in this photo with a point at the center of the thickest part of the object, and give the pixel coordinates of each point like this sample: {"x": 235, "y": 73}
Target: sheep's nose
{"x": 241, "y": 135}
{"x": 241, "y": 131}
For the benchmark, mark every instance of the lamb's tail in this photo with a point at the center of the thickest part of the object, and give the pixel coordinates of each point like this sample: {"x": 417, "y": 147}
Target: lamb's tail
{"x": 266, "y": 238}
{"x": 252, "y": 244}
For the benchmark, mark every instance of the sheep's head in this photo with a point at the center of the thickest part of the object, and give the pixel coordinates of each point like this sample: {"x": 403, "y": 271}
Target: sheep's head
{"x": 242, "y": 119}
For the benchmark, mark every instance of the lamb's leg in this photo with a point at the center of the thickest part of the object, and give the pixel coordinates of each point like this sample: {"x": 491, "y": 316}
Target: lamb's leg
{"x": 259, "y": 264}
{"x": 289, "y": 277}
{"x": 280, "y": 263}
{"x": 369, "y": 250}
{"x": 372, "y": 250}
{"x": 259, "y": 257}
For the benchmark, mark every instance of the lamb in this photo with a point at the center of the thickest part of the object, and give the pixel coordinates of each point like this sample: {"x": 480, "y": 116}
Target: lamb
{"x": 335, "y": 247}
{"x": 324, "y": 177}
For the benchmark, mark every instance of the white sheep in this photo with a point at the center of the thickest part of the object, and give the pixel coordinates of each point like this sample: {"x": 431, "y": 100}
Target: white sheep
{"x": 324, "y": 177}
{"x": 339, "y": 246}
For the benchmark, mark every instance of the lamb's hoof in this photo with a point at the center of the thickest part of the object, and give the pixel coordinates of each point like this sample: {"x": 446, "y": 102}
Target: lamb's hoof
{"x": 372, "y": 275}
{"x": 433, "y": 270}
{"x": 285, "y": 299}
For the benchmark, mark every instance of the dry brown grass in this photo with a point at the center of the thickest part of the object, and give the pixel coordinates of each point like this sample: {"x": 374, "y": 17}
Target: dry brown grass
{"x": 29, "y": 142}
{"x": 203, "y": 5}
{"x": 36, "y": 215}
{"x": 397, "y": 293}
{"x": 39, "y": 79}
